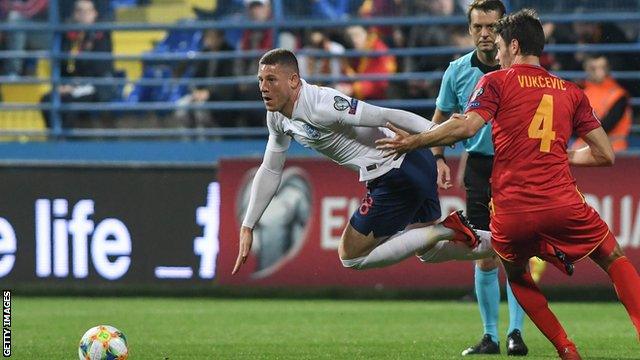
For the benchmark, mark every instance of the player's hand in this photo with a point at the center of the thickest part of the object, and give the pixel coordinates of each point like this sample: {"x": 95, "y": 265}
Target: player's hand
{"x": 201, "y": 95}
{"x": 65, "y": 89}
{"x": 444, "y": 174}
{"x": 246, "y": 239}
{"x": 401, "y": 143}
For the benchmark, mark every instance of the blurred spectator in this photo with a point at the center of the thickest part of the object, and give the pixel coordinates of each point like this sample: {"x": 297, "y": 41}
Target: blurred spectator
{"x": 252, "y": 39}
{"x": 390, "y": 35}
{"x": 320, "y": 9}
{"x": 377, "y": 8}
{"x": 103, "y": 7}
{"x": 592, "y": 6}
{"x": 586, "y": 33}
{"x": 330, "y": 9}
{"x": 548, "y": 59}
{"x": 583, "y": 33}
{"x": 609, "y": 100}
{"x": 379, "y": 64}
{"x": 429, "y": 36}
{"x": 432, "y": 35}
{"x": 460, "y": 38}
{"x": 223, "y": 9}
{"x": 599, "y": 33}
{"x": 314, "y": 66}
{"x": 23, "y": 12}
{"x": 77, "y": 42}
{"x": 212, "y": 42}
{"x": 257, "y": 39}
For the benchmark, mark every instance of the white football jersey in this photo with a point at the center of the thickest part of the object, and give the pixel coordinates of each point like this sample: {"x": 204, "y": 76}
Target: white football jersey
{"x": 322, "y": 120}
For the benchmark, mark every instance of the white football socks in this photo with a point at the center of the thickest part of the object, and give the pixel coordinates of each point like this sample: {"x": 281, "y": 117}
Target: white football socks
{"x": 400, "y": 246}
{"x": 453, "y": 250}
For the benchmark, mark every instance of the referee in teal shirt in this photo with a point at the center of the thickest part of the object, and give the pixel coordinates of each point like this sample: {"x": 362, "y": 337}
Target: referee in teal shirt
{"x": 458, "y": 83}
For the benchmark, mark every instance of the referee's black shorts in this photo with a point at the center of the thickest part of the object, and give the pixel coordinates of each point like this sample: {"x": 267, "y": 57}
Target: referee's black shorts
{"x": 476, "y": 182}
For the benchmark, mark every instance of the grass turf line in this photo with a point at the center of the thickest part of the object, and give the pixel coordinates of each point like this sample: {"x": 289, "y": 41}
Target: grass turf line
{"x": 161, "y": 328}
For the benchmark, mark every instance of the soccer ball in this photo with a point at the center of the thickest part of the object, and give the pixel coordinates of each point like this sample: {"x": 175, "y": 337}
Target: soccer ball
{"x": 103, "y": 342}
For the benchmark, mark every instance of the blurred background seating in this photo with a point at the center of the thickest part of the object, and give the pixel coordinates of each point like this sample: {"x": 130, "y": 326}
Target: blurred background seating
{"x": 167, "y": 63}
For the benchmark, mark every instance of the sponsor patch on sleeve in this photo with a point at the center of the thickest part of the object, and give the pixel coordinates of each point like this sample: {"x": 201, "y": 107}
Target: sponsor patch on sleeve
{"x": 473, "y": 105}
{"x": 353, "y": 106}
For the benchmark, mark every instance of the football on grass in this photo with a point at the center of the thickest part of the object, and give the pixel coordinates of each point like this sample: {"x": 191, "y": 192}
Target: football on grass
{"x": 103, "y": 342}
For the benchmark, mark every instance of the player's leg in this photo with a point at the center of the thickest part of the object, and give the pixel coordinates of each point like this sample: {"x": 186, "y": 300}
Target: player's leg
{"x": 515, "y": 343}
{"x": 488, "y": 293}
{"x": 583, "y": 232}
{"x": 359, "y": 251}
{"x": 536, "y": 306}
{"x": 456, "y": 250}
{"x": 518, "y": 237}
{"x": 611, "y": 259}
{"x": 487, "y": 287}
{"x": 376, "y": 234}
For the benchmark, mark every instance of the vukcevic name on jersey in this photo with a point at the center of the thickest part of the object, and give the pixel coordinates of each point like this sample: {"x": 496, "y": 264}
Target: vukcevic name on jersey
{"x": 533, "y": 114}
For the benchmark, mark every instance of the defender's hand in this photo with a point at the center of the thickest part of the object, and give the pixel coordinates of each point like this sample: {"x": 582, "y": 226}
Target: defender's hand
{"x": 246, "y": 239}
{"x": 401, "y": 143}
{"x": 444, "y": 174}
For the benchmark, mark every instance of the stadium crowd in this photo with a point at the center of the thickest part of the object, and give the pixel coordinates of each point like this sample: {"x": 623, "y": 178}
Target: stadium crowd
{"x": 331, "y": 40}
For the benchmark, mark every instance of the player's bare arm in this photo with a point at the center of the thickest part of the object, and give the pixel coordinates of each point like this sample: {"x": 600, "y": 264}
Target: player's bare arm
{"x": 444, "y": 172}
{"x": 598, "y": 153}
{"x": 456, "y": 128}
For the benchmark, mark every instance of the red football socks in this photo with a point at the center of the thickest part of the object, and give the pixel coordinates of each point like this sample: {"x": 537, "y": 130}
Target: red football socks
{"x": 536, "y": 306}
{"x": 627, "y": 284}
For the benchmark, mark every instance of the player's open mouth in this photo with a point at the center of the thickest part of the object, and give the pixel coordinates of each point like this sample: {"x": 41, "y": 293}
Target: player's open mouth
{"x": 266, "y": 99}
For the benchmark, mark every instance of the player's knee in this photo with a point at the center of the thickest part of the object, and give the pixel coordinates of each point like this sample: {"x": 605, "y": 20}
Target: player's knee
{"x": 604, "y": 257}
{"x": 345, "y": 251}
{"x": 615, "y": 254}
{"x": 607, "y": 252}
{"x": 354, "y": 245}
{"x": 487, "y": 264}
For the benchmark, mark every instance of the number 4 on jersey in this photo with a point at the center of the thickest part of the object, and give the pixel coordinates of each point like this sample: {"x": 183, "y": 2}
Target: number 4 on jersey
{"x": 541, "y": 126}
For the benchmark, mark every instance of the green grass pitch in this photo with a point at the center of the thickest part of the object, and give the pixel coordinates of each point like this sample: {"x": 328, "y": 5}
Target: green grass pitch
{"x": 173, "y": 328}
